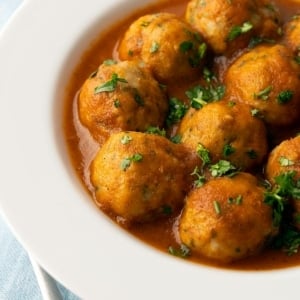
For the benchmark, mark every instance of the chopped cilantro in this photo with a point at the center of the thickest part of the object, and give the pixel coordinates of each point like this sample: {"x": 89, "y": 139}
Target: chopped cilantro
{"x": 177, "y": 110}
{"x": 264, "y": 94}
{"x": 288, "y": 240}
{"x": 156, "y": 130}
{"x": 285, "y": 162}
{"x": 200, "y": 96}
{"x": 183, "y": 251}
{"x": 228, "y": 150}
{"x": 186, "y": 46}
{"x": 126, "y": 139}
{"x": 236, "y": 31}
{"x": 223, "y": 168}
{"x": 138, "y": 99}
{"x": 285, "y": 96}
{"x": 204, "y": 154}
{"x": 117, "y": 103}
{"x": 109, "y": 62}
{"x": 202, "y": 50}
{"x": 237, "y": 200}
{"x": 255, "y": 112}
{"x": 154, "y": 47}
{"x": 110, "y": 85}
{"x": 200, "y": 178}
{"x": 208, "y": 75}
{"x": 217, "y": 207}
{"x": 176, "y": 139}
{"x": 285, "y": 187}
{"x": 126, "y": 162}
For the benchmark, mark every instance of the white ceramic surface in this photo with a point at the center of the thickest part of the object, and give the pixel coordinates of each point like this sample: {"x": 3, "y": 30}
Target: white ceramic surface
{"x": 40, "y": 195}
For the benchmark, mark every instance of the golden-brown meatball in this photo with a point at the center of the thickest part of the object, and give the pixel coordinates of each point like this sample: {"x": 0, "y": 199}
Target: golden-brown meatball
{"x": 292, "y": 34}
{"x": 169, "y": 46}
{"x": 227, "y": 219}
{"x": 139, "y": 176}
{"x": 229, "y": 25}
{"x": 121, "y": 96}
{"x": 228, "y": 131}
{"x": 286, "y": 158}
{"x": 267, "y": 78}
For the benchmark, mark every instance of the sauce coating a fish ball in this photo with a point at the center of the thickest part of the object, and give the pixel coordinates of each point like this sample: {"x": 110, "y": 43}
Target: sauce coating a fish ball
{"x": 268, "y": 79}
{"x": 228, "y": 131}
{"x": 139, "y": 176}
{"x": 227, "y": 219}
{"x": 121, "y": 96}
{"x": 229, "y": 25}
{"x": 168, "y": 45}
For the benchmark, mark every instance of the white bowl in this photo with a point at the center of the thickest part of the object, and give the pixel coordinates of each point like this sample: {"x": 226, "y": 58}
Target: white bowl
{"x": 41, "y": 196}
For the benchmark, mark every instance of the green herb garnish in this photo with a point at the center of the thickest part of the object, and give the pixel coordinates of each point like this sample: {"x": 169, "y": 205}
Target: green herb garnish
{"x": 183, "y": 251}
{"x": 201, "y": 96}
{"x": 236, "y": 31}
{"x": 264, "y": 94}
{"x": 200, "y": 177}
{"x": 154, "y": 47}
{"x": 126, "y": 139}
{"x": 285, "y": 187}
{"x": 156, "y": 130}
{"x": 110, "y": 85}
{"x": 228, "y": 150}
{"x": 223, "y": 168}
{"x": 126, "y": 162}
{"x": 204, "y": 154}
{"x": 177, "y": 110}
{"x": 217, "y": 207}
{"x": 285, "y": 162}
{"x": 285, "y": 96}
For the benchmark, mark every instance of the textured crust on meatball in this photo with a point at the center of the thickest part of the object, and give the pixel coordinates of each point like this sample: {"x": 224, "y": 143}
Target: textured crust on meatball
{"x": 168, "y": 45}
{"x": 283, "y": 158}
{"x": 227, "y": 219}
{"x": 292, "y": 34}
{"x": 121, "y": 96}
{"x": 228, "y": 131}
{"x": 229, "y": 25}
{"x": 268, "y": 79}
{"x": 139, "y": 176}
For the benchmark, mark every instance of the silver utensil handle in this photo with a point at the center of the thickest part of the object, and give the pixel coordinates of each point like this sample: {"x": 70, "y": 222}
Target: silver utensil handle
{"x": 48, "y": 287}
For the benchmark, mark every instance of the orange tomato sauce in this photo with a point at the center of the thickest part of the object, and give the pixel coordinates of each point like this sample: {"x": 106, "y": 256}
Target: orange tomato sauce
{"x": 162, "y": 233}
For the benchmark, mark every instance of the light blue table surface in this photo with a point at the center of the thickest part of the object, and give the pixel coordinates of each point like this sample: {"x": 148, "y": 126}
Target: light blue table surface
{"x": 17, "y": 279}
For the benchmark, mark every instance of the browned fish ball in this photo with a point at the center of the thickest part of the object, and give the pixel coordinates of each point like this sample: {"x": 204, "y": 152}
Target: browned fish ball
{"x": 268, "y": 79}
{"x": 228, "y": 131}
{"x": 283, "y": 158}
{"x": 227, "y": 219}
{"x": 228, "y": 26}
{"x": 121, "y": 96}
{"x": 140, "y": 176}
{"x": 286, "y": 158}
{"x": 292, "y": 34}
{"x": 168, "y": 45}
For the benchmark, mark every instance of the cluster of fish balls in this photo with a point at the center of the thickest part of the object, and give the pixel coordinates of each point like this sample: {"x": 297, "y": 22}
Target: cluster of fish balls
{"x": 139, "y": 176}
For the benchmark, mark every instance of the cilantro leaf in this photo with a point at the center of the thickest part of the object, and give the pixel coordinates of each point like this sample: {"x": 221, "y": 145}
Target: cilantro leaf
{"x": 110, "y": 85}
{"x": 223, "y": 168}
{"x": 177, "y": 110}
